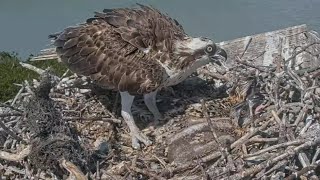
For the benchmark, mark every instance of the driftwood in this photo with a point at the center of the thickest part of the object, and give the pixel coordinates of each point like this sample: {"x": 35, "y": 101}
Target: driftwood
{"x": 265, "y": 127}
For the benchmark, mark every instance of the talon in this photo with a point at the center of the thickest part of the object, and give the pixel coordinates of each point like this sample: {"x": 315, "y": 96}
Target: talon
{"x": 139, "y": 137}
{"x": 136, "y": 135}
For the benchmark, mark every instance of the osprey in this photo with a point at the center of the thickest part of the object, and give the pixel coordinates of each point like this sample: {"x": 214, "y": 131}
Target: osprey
{"x": 136, "y": 51}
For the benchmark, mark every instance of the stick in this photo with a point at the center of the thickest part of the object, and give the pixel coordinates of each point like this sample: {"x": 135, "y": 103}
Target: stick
{"x": 10, "y": 114}
{"x": 15, "y": 157}
{"x": 113, "y": 120}
{"x": 291, "y": 143}
{"x": 73, "y": 170}
{"x": 7, "y": 130}
{"x": 288, "y": 154}
{"x": 304, "y": 170}
{"x": 32, "y": 68}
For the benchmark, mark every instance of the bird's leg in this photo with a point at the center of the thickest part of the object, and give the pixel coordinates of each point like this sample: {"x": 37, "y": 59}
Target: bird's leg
{"x": 136, "y": 134}
{"x": 150, "y": 101}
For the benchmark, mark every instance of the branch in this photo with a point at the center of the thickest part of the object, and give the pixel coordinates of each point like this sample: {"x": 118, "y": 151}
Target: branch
{"x": 74, "y": 171}
{"x": 15, "y": 157}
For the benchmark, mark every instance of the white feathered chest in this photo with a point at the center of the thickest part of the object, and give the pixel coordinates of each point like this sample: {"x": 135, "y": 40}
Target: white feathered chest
{"x": 175, "y": 76}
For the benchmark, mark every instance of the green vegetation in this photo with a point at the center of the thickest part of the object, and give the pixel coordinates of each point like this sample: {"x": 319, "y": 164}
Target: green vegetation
{"x": 12, "y": 72}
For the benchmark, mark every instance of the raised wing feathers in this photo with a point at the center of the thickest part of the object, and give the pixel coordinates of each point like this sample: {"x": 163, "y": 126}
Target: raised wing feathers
{"x": 145, "y": 27}
{"x": 95, "y": 49}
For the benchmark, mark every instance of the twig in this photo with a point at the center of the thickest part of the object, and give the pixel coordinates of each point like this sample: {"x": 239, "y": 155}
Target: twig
{"x": 74, "y": 171}
{"x": 11, "y": 107}
{"x": 205, "y": 113}
{"x": 301, "y": 115}
{"x": 32, "y": 68}
{"x": 224, "y": 151}
{"x": 288, "y": 154}
{"x": 262, "y": 140}
{"x": 7, "y": 130}
{"x": 301, "y": 51}
{"x": 246, "y": 47}
{"x": 15, "y": 157}
{"x": 142, "y": 171}
{"x": 10, "y": 114}
{"x": 113, "y": 120}
{"x": 286, "y": 144}
{"x": 17, "y": 96}
{"x": 276, "y": 117}
{"x": 304, "y": 170}
{"x": 245, "y": 137}
{"x": 238, "y": 60}
{"x": 316, "y": 155}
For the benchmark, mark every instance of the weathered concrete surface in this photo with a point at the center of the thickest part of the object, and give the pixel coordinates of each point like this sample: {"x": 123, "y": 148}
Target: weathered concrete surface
{"x": 262, "y": 49}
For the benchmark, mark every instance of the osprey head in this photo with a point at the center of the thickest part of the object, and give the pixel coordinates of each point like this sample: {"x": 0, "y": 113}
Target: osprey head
{"x": 202, "y": 49}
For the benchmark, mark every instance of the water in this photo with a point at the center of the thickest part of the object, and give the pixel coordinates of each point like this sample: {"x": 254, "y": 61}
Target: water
{"x": 25, "y": 25}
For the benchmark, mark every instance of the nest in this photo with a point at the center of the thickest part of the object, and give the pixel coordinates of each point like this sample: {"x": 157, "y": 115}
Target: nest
{"x": 258, "y": 123}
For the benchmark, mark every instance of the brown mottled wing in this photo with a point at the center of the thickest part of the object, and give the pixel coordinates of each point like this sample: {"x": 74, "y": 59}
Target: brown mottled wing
{"x": 95, "y": 49}
{"x": 144, "y": 27}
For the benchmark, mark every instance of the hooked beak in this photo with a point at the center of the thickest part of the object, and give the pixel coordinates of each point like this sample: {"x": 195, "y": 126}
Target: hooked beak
{"x": 220, "y": 57}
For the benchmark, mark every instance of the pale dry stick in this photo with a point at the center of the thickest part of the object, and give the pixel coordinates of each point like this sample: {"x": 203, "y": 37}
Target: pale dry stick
{"x": 38, "y": 70}
{"x": 301, "y": 51}
{"x": 276, "y": 117}
{"x": 17, "y": 96}
{"x": 245, "y": 137}
{"x": 224, "y": 151}
{"x": 297, "y": 79}
{"x": 303, "y": 159}
{"x": 277, "y": 146}
{"x": 244, "y": 149}
{"x": 288, "y": 154}
{"x": 162, "y": 162}
{"x": 282, "y": 128}
{"x": 262, "y": 140}
{"x": 261, "y": 157}
{"x": 316, "y": 155}
{"x": 74, "y": 171}
{"x": 11, "y": 107}
{"x": 238, "y": 60}
{"x": 10, "y": 114}
{"x": 304, "y": 170}
{"x": 16, "y": 157}
{"x": 205, "y": 113}
{"x": 97, "y": 174}
{"x": 302, "y": 156}
{"x": 113, "y": 120}
{"x": 309, "y": 120}
{"x": 301, "y": 115}
{"x": 276, "y": 167}
{"x": 246, "y": 47}
{"x": 12, "y": 134}
{"x": 27, "y": 168}
{"x": 65, "y": 73}
{"x": 16, "y": 170}
{"x": 32, "y": 68}
{"x": 28, "y": 87}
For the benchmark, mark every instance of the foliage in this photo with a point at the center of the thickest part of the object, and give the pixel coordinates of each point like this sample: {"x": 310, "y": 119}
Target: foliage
{"x": 12, "y": 72}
